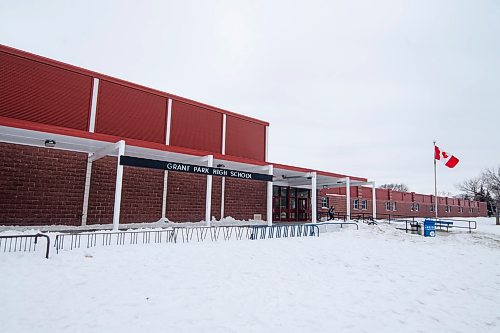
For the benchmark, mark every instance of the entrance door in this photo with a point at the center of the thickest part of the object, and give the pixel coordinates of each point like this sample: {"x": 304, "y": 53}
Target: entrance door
{"x": 302, "y": 209}
{"x": 290, "y": 204}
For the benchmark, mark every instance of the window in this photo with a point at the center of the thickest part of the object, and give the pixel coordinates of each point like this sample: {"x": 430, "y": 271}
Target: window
{"x": 460, "y": 209}
{"x": 364, "y": 204}
{"x": 387, "y": 205}
{"x": 394, "y": 208}
{"x": 356, "y": 204}
{"x": 276, "y": 191}
{"x": 447, "y": 209}
{"x": 417, "y": 207}
{"x": 471, "y": 210}
{"x": 301, "y": 193}
{"x": 412, "y": 207}
{"x": 432, "y": 208}
{"x": 324, "y": 202}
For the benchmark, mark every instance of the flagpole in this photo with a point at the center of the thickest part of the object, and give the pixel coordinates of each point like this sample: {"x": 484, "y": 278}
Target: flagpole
{"x": 435, "y": 183}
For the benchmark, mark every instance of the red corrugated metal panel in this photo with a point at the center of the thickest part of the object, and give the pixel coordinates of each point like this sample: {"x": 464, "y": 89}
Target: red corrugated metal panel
{"x": 33, "y": 91}
{"x": 130, "y": 113}
{"x": 195, "y": 127}
{"x": 245, "y": 138}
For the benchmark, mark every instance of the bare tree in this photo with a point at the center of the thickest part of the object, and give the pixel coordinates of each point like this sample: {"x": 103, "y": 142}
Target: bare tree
{"x": 445, "y": 194}
{"x": 471, "y": 187}
{"x": 396, "y": 187}
{"x": 491, "y": 178}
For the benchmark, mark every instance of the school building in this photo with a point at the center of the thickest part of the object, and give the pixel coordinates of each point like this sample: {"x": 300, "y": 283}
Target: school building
{"x": 79, "y": 147}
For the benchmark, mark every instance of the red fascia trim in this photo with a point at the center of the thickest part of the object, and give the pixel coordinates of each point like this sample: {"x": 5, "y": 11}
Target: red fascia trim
{"x": 83, "y": 71}
{"x": 28, "y": 125}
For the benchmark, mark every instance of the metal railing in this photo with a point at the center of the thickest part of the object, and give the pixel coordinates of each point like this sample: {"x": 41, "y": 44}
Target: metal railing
{"x": 23, "y": 243}
{"x": 455, "y": 223}
{"x": 283, "y": 231}
{"x": 74, "y": 240}
{"x": 336, "y": 215}
{"x": 441, "y": 224}
{"x": 341, "y": 224}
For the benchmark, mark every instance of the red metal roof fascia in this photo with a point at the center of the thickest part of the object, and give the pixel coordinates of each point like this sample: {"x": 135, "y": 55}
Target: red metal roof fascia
{"x": 83, "y": 71}
{"x": 323, "y": 173}
{"x": 216, "y": 109}
{"x": 28, "y": 125}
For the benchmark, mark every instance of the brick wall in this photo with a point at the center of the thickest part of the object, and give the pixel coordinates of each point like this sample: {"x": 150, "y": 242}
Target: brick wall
{"x": 404, "y": 202}
{"x": 142, "y": 193}
{"x": 243, "y": 198}
{"x": 186, "y": 195}
{"x": 43, "y": 186}
{"x": 40, "y": 186}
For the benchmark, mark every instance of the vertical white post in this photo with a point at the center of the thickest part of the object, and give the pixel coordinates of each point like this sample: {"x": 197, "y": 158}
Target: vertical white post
{"x": 267, "y": 143}
{"x": 169, "y": 120}
{"x": 86, "y": 192}
{"x": 165, "y": 173}
{"x": 93, "y": 105}
{"x": 208, "y": 201}
{"x": 164, "y": 198}
{"x": 314, "y": 203}
{"x": 348, "y": 197}
{"x": 118, "y": 186}
{"x": 374, "y": 200}
{"x": 223, "y": 147}
{"x": 223, "y": 190}
{"x": 223, "y": 152}
{"x": 269, "y": 213}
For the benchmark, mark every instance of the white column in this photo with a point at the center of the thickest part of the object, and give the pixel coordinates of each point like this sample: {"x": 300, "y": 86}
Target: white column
{"x": 164, "y": 198}
{"x": 348, "y": 197}
{"x": 93, "y": 105}
{"x": 223, "y": 148}
{"x": 374, "y": 200}
{"x": 86, "y": 192}
{"x": 314, "y": 203}
{"x": 118, "y": 186}
{"x": 223, "y": 190}
{"x": 169, "y": 121}
{"x": 208, "y": 200}
{"x": 165, "y": 173}
{"x": 267, "y": 143}
{"x": 269, "y": 212}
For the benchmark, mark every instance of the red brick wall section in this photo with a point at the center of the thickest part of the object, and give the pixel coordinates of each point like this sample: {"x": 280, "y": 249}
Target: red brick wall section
{"x": 403, "y": 206}
{"x": 243, "y": 198}
{"x": 142, "y": 193}
{"x": 40, "y": 186}
{"x": 186, "y": 197}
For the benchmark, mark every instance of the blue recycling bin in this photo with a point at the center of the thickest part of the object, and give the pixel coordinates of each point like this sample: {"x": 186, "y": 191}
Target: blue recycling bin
{"x": 429, "y": 228}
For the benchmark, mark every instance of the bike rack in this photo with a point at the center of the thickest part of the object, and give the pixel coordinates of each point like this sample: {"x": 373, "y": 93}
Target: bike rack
{"x": 23, "y": 243}
{"x": 74, "y": 240}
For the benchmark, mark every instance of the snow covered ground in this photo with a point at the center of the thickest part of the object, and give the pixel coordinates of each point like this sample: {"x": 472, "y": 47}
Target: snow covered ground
{"x": 377, "y": 279}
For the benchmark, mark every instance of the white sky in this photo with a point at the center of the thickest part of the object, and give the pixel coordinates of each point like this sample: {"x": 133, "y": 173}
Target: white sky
{"x": 356, "y": 87}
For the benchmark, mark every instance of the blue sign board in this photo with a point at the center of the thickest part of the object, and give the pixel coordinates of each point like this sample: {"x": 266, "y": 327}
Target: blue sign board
{"x": 429, "y": 228}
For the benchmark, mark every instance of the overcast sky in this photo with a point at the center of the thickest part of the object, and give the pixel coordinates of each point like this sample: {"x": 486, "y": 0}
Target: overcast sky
{"x": 355, "y": 87}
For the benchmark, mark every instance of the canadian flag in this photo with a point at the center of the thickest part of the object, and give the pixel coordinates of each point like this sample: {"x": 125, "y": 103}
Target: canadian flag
{"x": 449, "y": 160}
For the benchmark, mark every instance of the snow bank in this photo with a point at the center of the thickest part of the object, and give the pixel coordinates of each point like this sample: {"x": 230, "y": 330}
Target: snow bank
{"x": 377, "y": 279}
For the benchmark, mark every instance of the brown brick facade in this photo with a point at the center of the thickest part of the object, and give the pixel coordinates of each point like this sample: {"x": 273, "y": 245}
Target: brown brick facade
{"x": 244, "y": 198}
{"x": 405, "y": 202}
{"x": 40, "y": 186}
{"x": 44, "y": 186}
{"x": 142, "y": 193}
